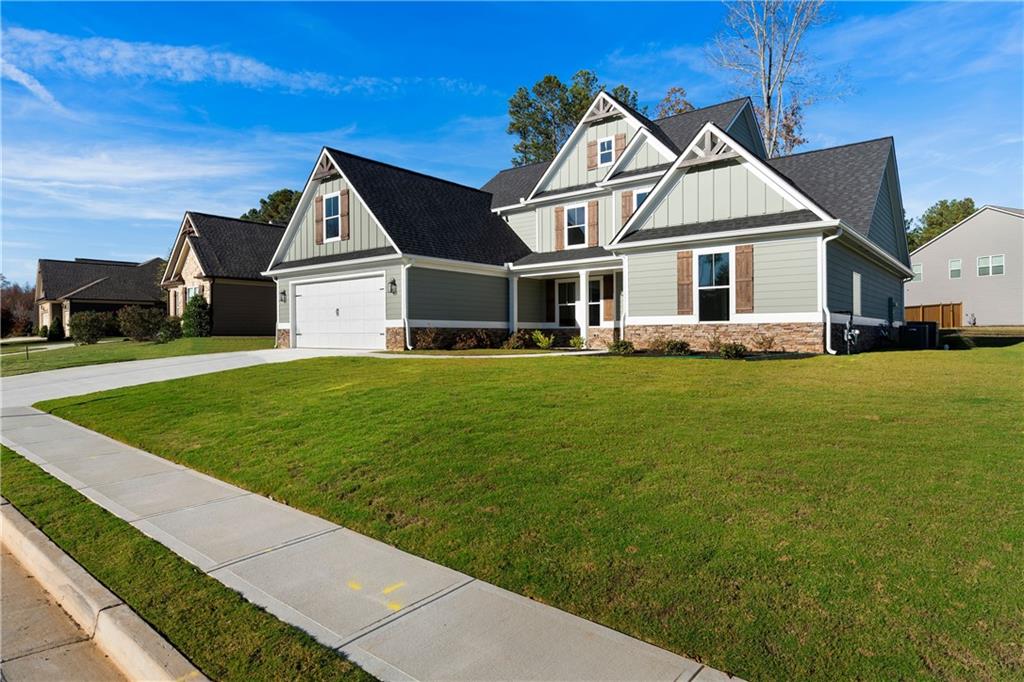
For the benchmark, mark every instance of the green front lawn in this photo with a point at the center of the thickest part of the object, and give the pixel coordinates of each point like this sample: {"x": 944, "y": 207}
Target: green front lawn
{"x": 40, "y": 361}
{"x": 213, "y": 626}
{"x": 828, "y": 518}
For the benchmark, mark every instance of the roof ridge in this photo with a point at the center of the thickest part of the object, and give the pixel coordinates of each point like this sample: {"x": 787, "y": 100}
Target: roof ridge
{"x": 237, "y": 220}
{"x": 525, "y": 165}
{"x": 693, "y": 111}
{"x": 93, "y": 261}
{"x": 407, "y": 170}
{"x": 838, "y": 146}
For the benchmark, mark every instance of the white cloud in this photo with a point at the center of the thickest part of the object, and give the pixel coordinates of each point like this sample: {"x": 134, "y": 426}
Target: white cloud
{"x": 13, "y": 73}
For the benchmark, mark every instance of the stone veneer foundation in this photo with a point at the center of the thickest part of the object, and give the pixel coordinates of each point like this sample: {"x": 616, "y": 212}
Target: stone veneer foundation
{"x": 284, "y": 339}
{"x": 601, "y": 337}
{"x": 798, "y": 337}
{"x": 394, "y": 338}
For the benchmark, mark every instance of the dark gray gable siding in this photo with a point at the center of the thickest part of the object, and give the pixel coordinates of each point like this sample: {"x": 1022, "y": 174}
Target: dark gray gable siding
{"x": 877, "y": 284}
{"x": 745, "y": 131}
{"x": 448, "y": 295}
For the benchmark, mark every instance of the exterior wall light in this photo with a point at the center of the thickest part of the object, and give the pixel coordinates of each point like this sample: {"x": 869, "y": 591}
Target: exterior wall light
{"x": 393, "y": 286}
{"x": 283, "y": 296}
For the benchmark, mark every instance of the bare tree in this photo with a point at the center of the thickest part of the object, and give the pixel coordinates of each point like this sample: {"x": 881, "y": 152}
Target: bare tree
{"x": 761, "y": 44}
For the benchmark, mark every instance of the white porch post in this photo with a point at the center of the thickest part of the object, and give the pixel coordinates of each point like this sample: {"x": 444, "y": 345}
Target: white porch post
{"x": 581, "y": 303}
{"x": 513, "y": 304}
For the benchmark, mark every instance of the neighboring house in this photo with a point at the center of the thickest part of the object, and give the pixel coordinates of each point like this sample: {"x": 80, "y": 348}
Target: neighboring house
{"x": 976, "y": 265}
{"x": 221, "y": 259}
{"x": 65, "y": 287}
{"x": 639, "y": 229}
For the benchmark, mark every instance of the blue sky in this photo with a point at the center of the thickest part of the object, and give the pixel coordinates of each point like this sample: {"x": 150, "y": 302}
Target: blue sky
{"x": 119, "y": 117}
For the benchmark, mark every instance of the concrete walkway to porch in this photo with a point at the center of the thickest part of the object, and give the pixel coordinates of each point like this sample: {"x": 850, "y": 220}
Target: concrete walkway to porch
{"x": 398, "y": 616}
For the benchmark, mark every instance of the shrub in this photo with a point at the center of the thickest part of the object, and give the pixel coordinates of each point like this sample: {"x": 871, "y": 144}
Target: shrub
{"x": 195, "y": 321}
{"x": 110, "y": 324}
{"x": 87, "y": 327}
{"x": 140, "y": 324}
{"x": 170, "y": 329}
{"x": 44, "y": 332}
{"x": 658, "y": 344}
{"x": 542, "y": 340}
{"x": 621, "y": 347}
{"x": 715, "y": 343}
{"x": 732, "y": 351}
{"x": 471, "y": 338}
{"x": 577, "y": 343}
{"x": 763, "y": 342}
{"x": 428, "y": 338}
{"x": 518, "y": 340}
{"x": 56, "y": 331}
{"x": 677, "y": 347}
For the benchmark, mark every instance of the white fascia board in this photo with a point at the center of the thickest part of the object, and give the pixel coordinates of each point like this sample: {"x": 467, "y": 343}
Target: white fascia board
{"x": 639, "y": 177}
{"x": 355, "y": 190}
{"x": 460, "y": 266}
{"x": 641, "y": 136}
{"x": 175, "y": 250}
{"x": 279, "y": 272}
{"x": 572, "y": 265}
{"x": 876, "y": 251}
{"x": 813, "y": 227}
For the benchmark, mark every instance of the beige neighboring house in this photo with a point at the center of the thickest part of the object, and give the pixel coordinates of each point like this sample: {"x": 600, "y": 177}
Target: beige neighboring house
{"x": 975, "y": 265}
{"x": 221, "y": 259}
{"x": 65, "y": 287}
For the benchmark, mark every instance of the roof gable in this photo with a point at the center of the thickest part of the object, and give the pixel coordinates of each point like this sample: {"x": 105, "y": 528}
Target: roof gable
{"x": 1012, "y": 212}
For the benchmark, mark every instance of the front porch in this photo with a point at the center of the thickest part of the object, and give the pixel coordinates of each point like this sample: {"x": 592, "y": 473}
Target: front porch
{"x": 583, "y": 302}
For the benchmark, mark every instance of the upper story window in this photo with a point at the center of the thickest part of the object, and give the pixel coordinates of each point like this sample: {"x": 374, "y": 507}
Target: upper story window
{"x": 332, "y": 216}
{"x": 955, "y": 269}
{"x": 576, "y": 225}
{"x": 639, "y": 196}
{"x": 990, "y": 265}
{"x": 918, "y": 272}
{"x": 605, "y": 151}
{"x": 713, "y": 286}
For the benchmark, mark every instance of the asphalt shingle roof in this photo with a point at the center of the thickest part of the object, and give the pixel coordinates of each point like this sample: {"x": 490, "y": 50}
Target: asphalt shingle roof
{"x": 353, "y": 255}
{"x": 748, "y": 223}
{"x": 234, "y": 248}
{"x": 85, "y": 278}
{"x": 428, "y": 216}
{"x": 564, "y": 255}
{"x": 513, "y": 184}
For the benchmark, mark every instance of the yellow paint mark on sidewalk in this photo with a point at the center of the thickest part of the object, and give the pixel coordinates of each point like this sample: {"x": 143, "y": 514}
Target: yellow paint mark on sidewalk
{"x": 353, "y": 585}
{"x": 394, "y": 606}
{"x": 391, "y": 588}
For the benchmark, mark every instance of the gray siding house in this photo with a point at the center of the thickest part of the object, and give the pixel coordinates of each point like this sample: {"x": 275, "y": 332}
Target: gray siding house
{"x": 637, "y": 229}
{"x": 976, "y": 263}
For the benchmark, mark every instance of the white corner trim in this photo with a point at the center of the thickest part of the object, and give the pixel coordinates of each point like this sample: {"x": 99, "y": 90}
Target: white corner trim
{"x": 284, "y": 325}
{"x": 461, "y": 266}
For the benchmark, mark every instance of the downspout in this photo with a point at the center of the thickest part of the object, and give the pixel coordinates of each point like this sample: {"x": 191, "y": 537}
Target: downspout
{"x": 405, "y": 303}
{"x": 824, "y": 294}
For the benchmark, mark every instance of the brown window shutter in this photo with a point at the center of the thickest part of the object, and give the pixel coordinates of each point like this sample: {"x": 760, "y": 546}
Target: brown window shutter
{"x": 592, "y": 155}
{"x": 592, "y": 223}
{"x": 627, "y": 205}
{"x": 620, "y": 144}
{"x": 318, "y": 220}
{"x": 684, "y": 283}
{"x": 559, "y": 228}
{"x": 608, "y": 297}
{"x": 344, "y": 215}
{"x": 549, "y": 306}
{"x": 745, "y": 278}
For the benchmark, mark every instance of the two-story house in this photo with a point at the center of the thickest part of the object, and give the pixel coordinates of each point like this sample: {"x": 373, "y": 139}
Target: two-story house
{"x": 637, "y": 229}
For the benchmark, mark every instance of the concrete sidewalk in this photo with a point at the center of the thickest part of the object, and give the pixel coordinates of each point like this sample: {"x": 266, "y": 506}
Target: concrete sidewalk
{"x": 398, "y": 616}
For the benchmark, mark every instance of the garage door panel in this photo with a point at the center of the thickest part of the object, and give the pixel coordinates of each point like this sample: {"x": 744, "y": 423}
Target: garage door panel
{"x": 348, "y": 313}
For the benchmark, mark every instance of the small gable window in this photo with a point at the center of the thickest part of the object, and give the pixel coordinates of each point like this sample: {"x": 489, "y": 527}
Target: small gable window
{"x": 332, "y": 216}
{"x": 576, "y": 225}
{"x": 918, "y": 272}
{"x": 640, "y": 196}
{"x": 955, "y": 268}
{"x": 605, "y": 151}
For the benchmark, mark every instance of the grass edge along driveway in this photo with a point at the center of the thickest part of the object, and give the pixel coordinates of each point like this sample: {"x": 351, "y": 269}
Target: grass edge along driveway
{"x": 227, "y": 637}
{"x": 831, "y": 517}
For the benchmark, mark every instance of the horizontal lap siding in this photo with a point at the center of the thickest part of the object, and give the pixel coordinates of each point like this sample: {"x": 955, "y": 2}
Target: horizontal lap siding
{"x": 392, "y": 301}
{"x": 786, "y": 276}
{"x": 524, "y": 224}
{"x": 364, "y": 232}
{"x": 532, "y": 300}
{"x": 877, "y": 284}
{"x": 447, "y": 295}
{"x": 652, "y": 284}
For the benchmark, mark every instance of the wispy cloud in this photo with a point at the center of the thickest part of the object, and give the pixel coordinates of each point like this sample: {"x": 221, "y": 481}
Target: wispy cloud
{"x": 13, "y": 73}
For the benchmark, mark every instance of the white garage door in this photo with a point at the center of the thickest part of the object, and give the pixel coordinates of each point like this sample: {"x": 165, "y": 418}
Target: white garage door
{"x": 346, "y": 313}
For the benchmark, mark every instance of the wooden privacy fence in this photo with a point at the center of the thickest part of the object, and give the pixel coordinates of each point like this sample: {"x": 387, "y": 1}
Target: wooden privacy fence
{"x": 947, "y": 315}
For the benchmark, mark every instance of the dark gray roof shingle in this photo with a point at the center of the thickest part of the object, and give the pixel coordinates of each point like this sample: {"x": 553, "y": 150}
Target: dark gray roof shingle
{"x": 352, "y": 255}
{"x": 691, "y": 229}
{"x": 96, "y": 279}
{"x": 513, "y": 184}
{"x": 234, "y": 248}
{"x": 682, "y": 128}
{"x": 564, "y": 255}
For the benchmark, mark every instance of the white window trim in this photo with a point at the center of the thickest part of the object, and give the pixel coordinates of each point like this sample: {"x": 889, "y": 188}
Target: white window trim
{"x": 695, "y": 278}
{"x": 991, "y": 265}
{"x": 566, "y": 280}
{"x": 600, "y": 300}
{"x": 639, "y": 190}
{"x": 977, "y": 268}
{"x": 959, "y": 268}
{"x": 326, "y": 238}
{"x": 600, "y": 141}
{"x": 565, "y": 225}
{"x": 918, "y": 270}
{"x": 857, "y": 294}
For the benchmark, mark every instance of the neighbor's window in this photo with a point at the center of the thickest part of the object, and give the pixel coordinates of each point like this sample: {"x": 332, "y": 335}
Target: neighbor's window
{"x": 984, "y": 266}
{"x": 566, "y": 304}
{"x": 594, "y": 303}
{"x": 576, "y": 225}
{"x": 997, "y": 265}
{"x": 332, "y": 216}
{"x": 190, "y": 292}
{"x": 713, "y": 286}
{"x": 639, "y": 197}
{"x": 954, "y": 268}
{"x": 918, "y": 273}
{"x": 605, "y": 151}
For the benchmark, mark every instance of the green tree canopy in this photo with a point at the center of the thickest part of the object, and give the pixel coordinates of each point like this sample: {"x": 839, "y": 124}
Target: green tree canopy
{"x": 674, "y": 102}
{"x": 939, "y": 217}
{"x": 276, "y": 208}
{"x": 545, "y": 115}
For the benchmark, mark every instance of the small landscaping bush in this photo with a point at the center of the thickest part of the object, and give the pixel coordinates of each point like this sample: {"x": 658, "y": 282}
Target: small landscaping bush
{"x": 170, "y": 329}
{"x": 56, "y": 331}
{"x": 577, "y": 343}
{"x": 428, "y": 338}
{"x": 621, "y": 347}
{"x": 763, "y": 342}
{"x": 44, "y": 332}
{"x": 542, "y": 340}
{"x": 87, "y": 327}
{"x": 715, "y": 343}
{"x": 140, "y": 324}
{"x": 658, "y": 345}
{"x": 195, "y": 321}
{"x": 110, "y": 324}
{"x": 519, "y": 340}
{"x": 732, "y": 351}
{"x": 677, "y": 347}
{"x": 473, "y": 338}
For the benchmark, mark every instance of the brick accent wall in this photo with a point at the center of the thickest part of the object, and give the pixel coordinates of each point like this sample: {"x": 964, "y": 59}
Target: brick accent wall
{"x": 601, "y": 337}
{"x": 799, "y": 337}
{"x": 394, "y": 338}
{"x": 284, "y": 338}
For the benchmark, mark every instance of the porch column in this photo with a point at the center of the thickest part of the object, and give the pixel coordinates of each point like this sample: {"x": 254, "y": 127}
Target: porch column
{"x": 513, "y": 303}
{"x": 581, "y": 303}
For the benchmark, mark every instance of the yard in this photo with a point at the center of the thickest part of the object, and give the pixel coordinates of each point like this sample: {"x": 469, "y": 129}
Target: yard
{"x": 12, "y": 363}
{"x": 846, "y": 517}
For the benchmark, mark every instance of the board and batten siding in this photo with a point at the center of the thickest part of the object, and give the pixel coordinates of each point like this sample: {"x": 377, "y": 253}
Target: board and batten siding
{"x": 572, "y": 169}
{"x": 652, "y": 283}
{"x": 532, "y": 300}
{"x": 716, "y": 192}
{"x": 608, "y": 220}
{"x": 392, "y": 301}
{"x": 878, "y": 285}
{"x": 524, "y": 224}
{"x": 786, "y": 276}
{"x": 365, "y": 233}
{"x": 644, "y": 156}
{"x": 448, "y": 295}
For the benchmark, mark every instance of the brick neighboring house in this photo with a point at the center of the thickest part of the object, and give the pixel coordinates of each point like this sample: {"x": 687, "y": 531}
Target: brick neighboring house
{"x": 221, "y": 259}
{"x": 677, "y": 227}
{"x": 65, "y": 287}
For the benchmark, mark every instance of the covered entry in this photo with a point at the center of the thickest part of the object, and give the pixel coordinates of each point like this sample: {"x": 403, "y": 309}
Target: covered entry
{"x": 341, "y": 313}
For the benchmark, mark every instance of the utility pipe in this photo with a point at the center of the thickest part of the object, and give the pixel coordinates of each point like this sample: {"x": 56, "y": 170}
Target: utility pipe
{"x": 405, "y": 303}
{"x": 824, "y": 294}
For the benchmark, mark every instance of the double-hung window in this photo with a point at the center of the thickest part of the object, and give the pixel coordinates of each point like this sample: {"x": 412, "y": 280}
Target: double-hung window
{"x": 605, "y": 151}
{"x": 990, "y": 265}
{"x": 955, "y": 268}
{"x": 918, "y": 272}
{"x": 594, "y": 303}
{"x": 190, "y": 292}
{"x": 576, "y": 225}
{"x": 566, "y": 304}
{"x": 332, "y": 216}
{"x": 713, "y": 286}
{"x": 639, "y": 196}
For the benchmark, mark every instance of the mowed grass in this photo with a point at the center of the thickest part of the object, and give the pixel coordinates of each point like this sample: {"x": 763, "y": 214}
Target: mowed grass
{"x": 826, "y": 518}
{"x": 60, "y": 358}
{"x": 225, "y": 636}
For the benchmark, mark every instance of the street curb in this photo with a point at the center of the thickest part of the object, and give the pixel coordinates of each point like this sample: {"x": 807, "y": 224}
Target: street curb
{"x": 133, "y": 646}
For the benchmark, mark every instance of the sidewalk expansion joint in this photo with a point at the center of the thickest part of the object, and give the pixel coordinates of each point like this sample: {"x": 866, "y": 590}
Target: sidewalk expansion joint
{"x": 286, "y": 543}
